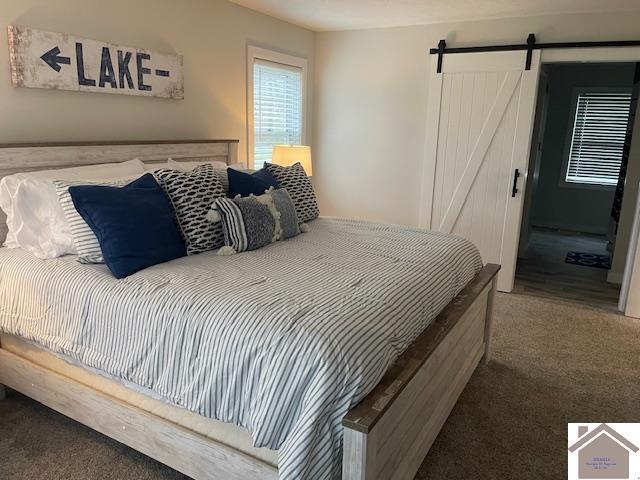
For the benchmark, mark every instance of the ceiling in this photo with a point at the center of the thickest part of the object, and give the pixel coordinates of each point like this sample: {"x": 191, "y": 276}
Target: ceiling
{"x": 322, "y": 15}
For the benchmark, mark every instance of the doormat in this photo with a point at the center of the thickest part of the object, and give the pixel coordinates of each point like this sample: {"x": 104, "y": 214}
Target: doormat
{"x": 589, "y": 259}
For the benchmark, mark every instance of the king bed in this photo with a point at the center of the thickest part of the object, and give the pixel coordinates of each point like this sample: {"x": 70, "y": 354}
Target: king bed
{"x": 337, "y": 353}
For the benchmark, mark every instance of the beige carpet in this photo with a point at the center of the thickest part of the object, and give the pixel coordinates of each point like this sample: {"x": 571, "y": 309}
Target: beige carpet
{"x": 554, "y": 362}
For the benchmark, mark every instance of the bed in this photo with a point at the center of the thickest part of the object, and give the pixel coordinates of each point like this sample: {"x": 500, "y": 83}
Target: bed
{"x": 368, "y": 333}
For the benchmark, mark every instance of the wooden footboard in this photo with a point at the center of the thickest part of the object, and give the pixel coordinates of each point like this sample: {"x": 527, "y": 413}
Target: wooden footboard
{"x": 389, "y": 433}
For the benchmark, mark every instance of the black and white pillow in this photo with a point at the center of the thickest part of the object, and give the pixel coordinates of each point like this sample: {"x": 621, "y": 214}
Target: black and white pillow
{"x": 219, "y": 167}
{"x": 192, "y": 194}
{"x": 295, "y": 180}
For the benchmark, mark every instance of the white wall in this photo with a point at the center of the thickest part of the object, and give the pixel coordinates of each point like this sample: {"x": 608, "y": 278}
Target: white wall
{"x": 212, "y": 35}
{"x": 371, "y": 94}
{"x": 628, "y": 210}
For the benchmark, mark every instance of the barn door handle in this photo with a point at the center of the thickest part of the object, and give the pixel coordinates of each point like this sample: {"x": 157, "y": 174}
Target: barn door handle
{"x": 514, "y": 189}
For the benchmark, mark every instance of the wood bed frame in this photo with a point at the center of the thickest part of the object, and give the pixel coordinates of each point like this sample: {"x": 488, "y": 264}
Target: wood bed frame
{"x": 386, "y": 436}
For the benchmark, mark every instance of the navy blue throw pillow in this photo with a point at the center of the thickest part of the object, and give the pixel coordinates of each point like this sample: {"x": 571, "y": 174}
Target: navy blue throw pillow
{"x": 134, "y": 224}
{"x": 244, "y": 184}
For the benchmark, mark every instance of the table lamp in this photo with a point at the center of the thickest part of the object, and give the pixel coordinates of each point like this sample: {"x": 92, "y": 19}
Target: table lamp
{"x": 286, "y": 155}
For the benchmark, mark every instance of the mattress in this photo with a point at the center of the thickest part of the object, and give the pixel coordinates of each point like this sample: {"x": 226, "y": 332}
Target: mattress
{"x": 281, "y": 341}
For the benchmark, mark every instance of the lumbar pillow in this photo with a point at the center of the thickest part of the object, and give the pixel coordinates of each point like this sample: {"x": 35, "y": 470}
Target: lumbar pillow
{"x": 295, "y": 180}
{"x": 255, "y": 221}
{"x": 134, "y": 224}
{"x": 286, "y": 215}
{"x": 85, "y": 242}
{"x": 192, "y": 194}
{"x": 245, "y": 184}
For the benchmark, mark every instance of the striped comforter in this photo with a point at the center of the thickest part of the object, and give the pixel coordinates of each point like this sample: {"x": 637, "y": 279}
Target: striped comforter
{"x": 282, "y": 340}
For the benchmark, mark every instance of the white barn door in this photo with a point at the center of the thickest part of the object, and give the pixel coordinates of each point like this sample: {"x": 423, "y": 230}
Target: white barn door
{"x": 479, "y": 124}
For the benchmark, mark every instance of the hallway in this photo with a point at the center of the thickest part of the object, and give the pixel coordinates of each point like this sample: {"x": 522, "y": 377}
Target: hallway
{"x": 542, "y": 271}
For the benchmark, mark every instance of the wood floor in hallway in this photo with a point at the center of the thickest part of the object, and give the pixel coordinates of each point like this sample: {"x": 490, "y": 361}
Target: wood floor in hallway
{"x": 542, "y": 270}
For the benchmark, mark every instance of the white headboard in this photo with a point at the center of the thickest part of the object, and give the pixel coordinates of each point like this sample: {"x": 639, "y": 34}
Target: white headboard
{"x": 15, "y": 158}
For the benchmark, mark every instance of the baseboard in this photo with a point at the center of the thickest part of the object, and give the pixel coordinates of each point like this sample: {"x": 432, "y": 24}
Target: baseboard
{"x": 615, "y": 277}
{"x": 568, "y": 227}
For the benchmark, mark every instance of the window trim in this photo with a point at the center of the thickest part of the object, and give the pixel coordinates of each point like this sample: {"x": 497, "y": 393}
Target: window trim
{"x": 575, "y": 92}
{"x": 259, "y": 53}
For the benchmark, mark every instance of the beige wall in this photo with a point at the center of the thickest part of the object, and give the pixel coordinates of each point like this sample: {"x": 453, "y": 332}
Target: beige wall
{"x": 371, "y": 94}
{"x": 212, "y": 35}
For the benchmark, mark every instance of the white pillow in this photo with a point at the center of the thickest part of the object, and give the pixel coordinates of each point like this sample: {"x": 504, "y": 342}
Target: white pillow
{"x": 188, "y": 166}
{"x": 151, "y": 167}
{"x": 85, "y": 241}
{"x": 35, "y": 219}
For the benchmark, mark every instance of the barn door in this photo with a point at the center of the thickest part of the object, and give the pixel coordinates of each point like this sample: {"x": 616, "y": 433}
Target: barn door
{"x": 479, "y": 123}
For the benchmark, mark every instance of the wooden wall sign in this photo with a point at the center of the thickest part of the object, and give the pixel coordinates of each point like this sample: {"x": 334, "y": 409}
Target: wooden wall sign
{"x": 42, "y": 59}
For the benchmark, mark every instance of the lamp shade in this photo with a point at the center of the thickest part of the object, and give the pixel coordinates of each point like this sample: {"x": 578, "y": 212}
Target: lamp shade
{"x": 286, "y": 155}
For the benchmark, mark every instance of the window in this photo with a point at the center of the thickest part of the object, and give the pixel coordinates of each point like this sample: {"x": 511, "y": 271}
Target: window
{"x": 597, "y": 141}
{"x": 276, "y": 103}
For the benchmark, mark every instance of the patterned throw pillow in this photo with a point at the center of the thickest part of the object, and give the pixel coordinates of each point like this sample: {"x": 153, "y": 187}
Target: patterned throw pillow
{"x": 287, "y": 217}
{"x": 295, "y": 180}
{"x": 192, "y": 194}
{"x": 84, "y": 239}
{"x": 255, "y": 221}
{"x": 219, "y": 167}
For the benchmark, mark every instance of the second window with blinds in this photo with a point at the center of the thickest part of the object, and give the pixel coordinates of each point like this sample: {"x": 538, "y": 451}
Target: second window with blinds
{"x": 597, "y": 136}
{"x": 276, "y": 102}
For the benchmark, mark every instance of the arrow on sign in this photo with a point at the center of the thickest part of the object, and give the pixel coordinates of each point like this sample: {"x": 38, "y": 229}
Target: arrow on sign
{"x": 53, "y": 59}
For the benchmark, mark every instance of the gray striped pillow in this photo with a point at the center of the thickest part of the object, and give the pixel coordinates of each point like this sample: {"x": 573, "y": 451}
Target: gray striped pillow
{"x": 235, "y": 234}
{"x": 84, "y": 239}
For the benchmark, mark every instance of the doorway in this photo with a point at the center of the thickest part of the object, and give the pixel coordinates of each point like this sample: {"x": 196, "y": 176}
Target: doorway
{"x": 573, "y": 236}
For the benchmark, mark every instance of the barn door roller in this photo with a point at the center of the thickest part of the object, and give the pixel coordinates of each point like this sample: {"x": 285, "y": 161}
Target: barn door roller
{"x": 529, "y": 46}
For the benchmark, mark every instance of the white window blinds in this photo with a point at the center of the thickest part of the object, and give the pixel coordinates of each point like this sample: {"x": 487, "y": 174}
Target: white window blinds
{"x": 277, "y": 108}
{"x": 597, "y": 142}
